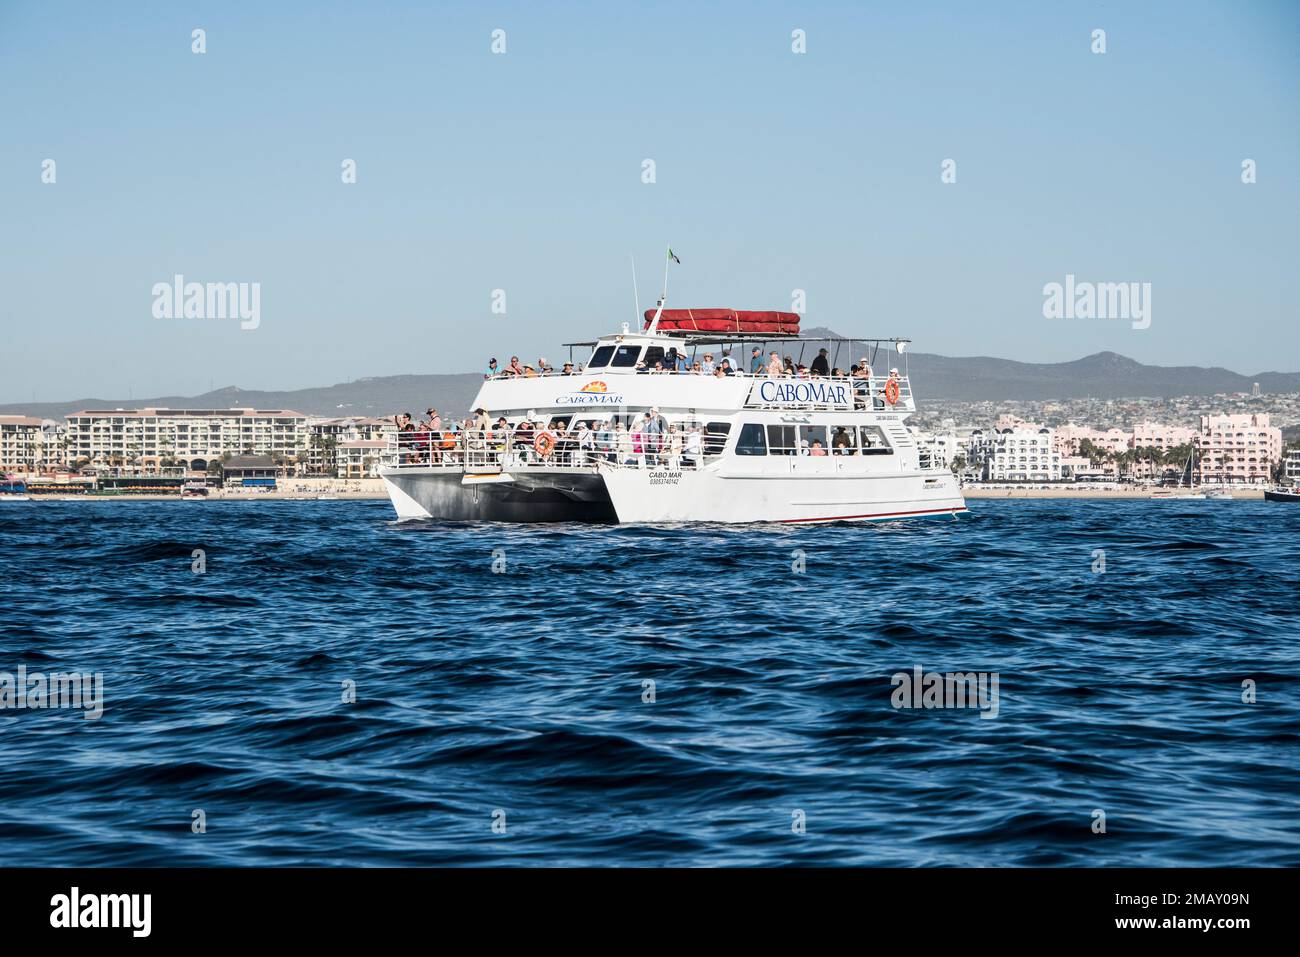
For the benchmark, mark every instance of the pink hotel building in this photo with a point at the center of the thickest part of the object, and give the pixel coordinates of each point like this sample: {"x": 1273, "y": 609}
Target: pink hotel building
{"x": 1237, "y": 448}
{"x": 1230, "y": 448}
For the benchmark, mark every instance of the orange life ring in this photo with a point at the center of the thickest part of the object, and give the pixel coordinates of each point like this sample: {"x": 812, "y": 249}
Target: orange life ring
{"x": 891, "y": 391}
{"x": 544, "y": 443}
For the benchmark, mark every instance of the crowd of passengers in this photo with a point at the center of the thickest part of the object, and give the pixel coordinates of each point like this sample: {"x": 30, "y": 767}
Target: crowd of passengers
{"x": 647, "y": 440}
{"x": 674, "y": 362}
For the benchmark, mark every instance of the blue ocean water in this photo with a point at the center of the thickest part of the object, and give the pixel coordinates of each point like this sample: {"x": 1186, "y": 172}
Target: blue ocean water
{"x": 500, "y": 677}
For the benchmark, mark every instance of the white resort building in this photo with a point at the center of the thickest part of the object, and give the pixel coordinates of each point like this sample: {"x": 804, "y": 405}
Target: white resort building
{"x": 149, "y": 439}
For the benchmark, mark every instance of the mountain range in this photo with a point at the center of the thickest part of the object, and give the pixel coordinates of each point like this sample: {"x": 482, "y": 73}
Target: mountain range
{"x": 936, "y": 379}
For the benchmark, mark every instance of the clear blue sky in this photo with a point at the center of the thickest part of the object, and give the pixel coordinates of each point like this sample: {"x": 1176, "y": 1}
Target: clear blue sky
{"x": 522, "y": 172}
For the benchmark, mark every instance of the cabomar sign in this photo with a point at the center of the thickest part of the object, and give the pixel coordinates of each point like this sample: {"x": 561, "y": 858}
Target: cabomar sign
{"x": 802, "y": 392}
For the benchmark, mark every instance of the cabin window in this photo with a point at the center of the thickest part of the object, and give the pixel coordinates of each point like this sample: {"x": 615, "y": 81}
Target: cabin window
{"x": 781, "y": 439}
{"x": 715, "y": 437}
{"x": 600, "y": 358}
{"x": 625, "y": 357}
{"x": 812, "y": 440}
{"x": 653, "y": 354}
{"x": 750, "y": 441}
{"x": 874, "y": 441}
{"x": 844, "y": 439}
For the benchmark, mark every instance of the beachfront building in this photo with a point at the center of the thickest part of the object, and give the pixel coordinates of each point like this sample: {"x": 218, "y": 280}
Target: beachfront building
{"x": 1016, "y": 455}
{"x": 1237, "y": 449}
{"x": 1291, "y": 467}
{"x": 1068, "y": 438}
{"x": 148, "y": 440}
{"x": 326, "y": 435}
{"x": 1157, "y": 435}
{"x": 21, "y": 443}
{"x": 362, "y": 458}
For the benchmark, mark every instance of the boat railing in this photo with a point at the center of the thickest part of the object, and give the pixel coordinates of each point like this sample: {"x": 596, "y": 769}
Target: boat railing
{"x": 487, "y": 451}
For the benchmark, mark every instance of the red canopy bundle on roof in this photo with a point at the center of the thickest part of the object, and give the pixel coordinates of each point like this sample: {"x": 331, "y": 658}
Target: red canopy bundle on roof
{"x": 736, "y": 321}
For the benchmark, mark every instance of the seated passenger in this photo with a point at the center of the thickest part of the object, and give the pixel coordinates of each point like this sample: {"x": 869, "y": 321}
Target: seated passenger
{"x": 707, "y": 364}
{"x": 568, "y": 369}
{"x": 817, "y": 448}
{"x": 514, "y": 368}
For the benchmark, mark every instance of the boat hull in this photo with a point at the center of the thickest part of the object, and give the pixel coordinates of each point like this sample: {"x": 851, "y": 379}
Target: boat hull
{"x": 651, "y": 496}
{"x": 453, "y": 496}
{"x": 1273, "y": 495}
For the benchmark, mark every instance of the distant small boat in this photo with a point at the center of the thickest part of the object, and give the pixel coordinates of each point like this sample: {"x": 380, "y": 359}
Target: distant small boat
{"x": 1281, "y": 495}
{"x": 194, "y": 491}
{"x": 327, "y": 498}
{"x": 13, "y": 491}
{"x": 1219, "y": 494}
{"x": 1181, "y": 496}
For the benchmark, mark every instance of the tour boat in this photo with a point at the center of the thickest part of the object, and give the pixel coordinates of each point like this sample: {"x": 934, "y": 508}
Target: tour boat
{"x": 1282, "y": 495}
{"x": 755, "y": 447}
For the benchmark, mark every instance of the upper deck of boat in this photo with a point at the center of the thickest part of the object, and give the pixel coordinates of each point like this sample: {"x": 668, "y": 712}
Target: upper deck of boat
{"x": 622, "y": 372}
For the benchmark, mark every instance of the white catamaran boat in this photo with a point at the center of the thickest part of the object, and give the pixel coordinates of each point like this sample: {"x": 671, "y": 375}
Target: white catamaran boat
{"x": 620, "y": 441}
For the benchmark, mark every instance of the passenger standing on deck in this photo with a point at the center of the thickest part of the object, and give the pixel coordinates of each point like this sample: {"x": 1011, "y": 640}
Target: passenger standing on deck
{"x": 491, "y": 369}
{"x": 821, "y": 365}
{"x": 673, "y": 449}
{"x": 514, "y": 368}
{"x": 774, "y": 367}
{"x": 707, "y": 364}
{"x": 585, "y": 440}
{"x": 605, "y": 441}
{"x": 756, "y": 361}
{"x": 638, "y": 441}
{"x": 691, "y": 447}
{"x": 623, "y": 440}
{"x": 655, "y": 427}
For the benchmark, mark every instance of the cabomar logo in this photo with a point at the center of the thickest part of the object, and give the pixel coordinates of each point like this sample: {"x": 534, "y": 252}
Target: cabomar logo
{"x": 593, "y": 393}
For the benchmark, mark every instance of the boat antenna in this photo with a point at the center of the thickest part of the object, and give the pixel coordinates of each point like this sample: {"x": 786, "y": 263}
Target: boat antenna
{"x": 635, "y": 298}
{"x": 654, "y": 323}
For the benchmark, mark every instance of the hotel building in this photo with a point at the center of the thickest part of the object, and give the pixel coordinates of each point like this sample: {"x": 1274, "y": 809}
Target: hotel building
{"x": 1237, "y": 449}
{"x": 1017, "y": 455}
{"x": 326, "y": 437}
{"x": 22, "y": 443}
{"x": 146, "y": 440}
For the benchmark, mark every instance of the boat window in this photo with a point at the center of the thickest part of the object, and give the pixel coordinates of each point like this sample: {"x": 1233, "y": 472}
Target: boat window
{"x": 874, "y": 441}
{"x": 600, "y": 358}
{"x": 625, "y": 357}
{"x": 844, "y": 439}
{"x": 653, "y": 354}
{"x": 750, "y": 441}
{"x": 812, "y": 440}
{"x": 715, "y": 437}
{"x": 781, "y": 439}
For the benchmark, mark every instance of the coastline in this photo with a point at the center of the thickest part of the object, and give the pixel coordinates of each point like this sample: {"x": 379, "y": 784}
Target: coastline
{"x": 373, "y": 490}
{"x": 975, "y": 492}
